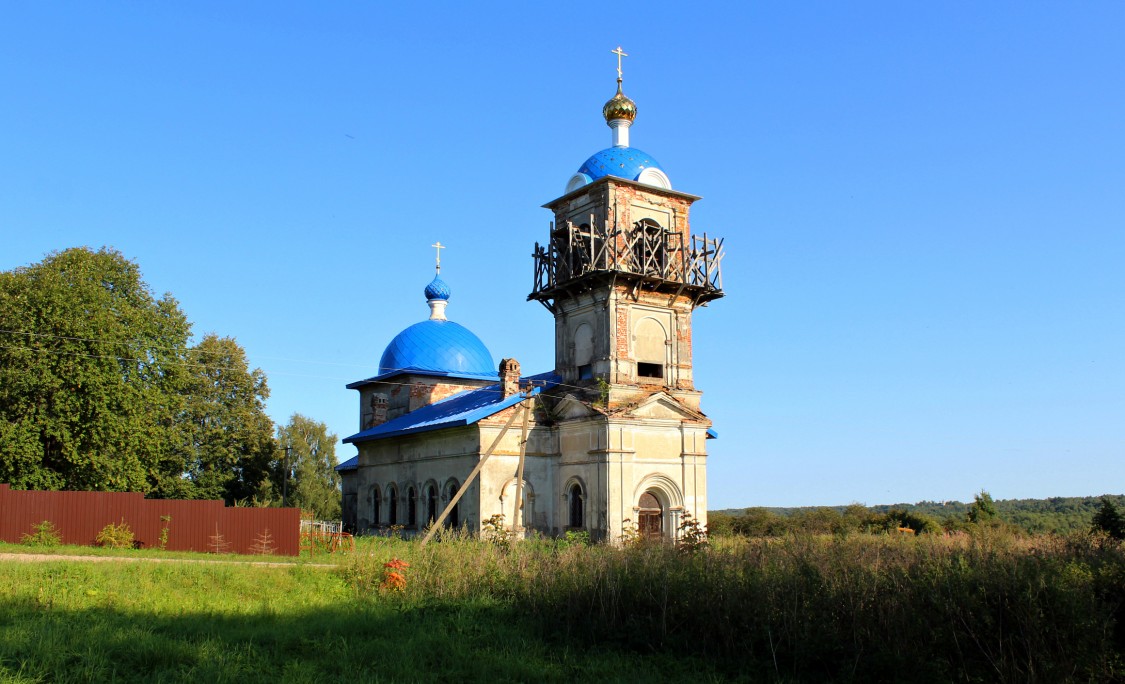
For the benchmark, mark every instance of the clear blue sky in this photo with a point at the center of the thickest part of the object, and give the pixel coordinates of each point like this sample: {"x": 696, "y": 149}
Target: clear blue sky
{"x": 922, "y": 206}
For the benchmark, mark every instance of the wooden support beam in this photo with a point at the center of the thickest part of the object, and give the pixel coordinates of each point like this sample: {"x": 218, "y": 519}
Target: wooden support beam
{"x": 472, "y": 476}
{"x": 517, "y": 513}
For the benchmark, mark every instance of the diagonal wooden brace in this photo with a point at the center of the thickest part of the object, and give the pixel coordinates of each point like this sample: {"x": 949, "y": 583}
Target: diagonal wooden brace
{"x": 476, "y": 471}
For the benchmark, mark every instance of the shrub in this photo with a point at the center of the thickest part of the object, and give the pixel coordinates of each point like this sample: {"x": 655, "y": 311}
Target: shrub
{"x": 497, "y": 532}
{"x": 630, "y": 534}
{"x": 43, "y": 534}
{"x": 115, "y": 536}
{"x": 394, "y": 577}
{"x": 693, "y": 536}
{"x": 574, "y": 538}
{"x": 898, "y": 519}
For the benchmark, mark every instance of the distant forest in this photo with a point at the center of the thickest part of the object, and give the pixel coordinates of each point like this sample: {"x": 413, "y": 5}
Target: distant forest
{"x": 1060, "y": 515}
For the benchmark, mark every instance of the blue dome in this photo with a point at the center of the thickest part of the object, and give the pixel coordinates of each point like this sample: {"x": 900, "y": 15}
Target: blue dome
{"x": 437, "y": 289}
{"x": 438, "y": 347}
{"x": 621, "y": 162}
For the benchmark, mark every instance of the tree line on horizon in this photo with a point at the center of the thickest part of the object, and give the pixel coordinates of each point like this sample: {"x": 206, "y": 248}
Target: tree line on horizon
{"x": 1056, "y": 515}
{"x": 102, "y": 388}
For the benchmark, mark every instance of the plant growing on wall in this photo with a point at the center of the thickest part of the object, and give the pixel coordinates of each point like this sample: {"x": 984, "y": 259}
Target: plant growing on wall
{"x": 603, "y": 394}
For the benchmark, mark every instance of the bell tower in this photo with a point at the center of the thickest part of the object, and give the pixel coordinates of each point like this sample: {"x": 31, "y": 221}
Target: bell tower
{"x": 622, "y": 272}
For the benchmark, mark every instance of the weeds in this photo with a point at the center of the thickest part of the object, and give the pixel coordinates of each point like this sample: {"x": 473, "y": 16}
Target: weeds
{"x": 495, "y": 531}
{"x": 574, "y": 538}
{"x": 630, "y": 534}
{"x": 394, "y": 576}
{"x": 115, "y": 536}
{"x": 179, "y": 622}
{"x": 693, "y": 536}
{"x": 165, "y": 521}
{"x": 43, "y": 534}
{"x": 983, "y": 606}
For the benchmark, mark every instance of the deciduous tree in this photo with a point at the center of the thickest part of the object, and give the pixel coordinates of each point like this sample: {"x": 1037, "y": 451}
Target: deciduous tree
{"x": 315, "y": 485}
{"x": 99, "y": 389}
{"x": 228, "y": 436}
{"x": 92, "y": 376}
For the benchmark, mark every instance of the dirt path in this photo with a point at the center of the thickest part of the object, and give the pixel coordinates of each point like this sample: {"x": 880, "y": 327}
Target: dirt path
{"x": 37, "y": 557}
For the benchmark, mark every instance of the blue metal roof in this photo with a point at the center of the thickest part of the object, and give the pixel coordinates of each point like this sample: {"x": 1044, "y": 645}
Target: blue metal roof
{"x": 712, "y": 434}
{"x": 421, "y": 371}
{"x": 622, "y": 162}
{"x": 350, "y": 464}
{"x": 438, "y": 346}
{"x": 463, "y": 408}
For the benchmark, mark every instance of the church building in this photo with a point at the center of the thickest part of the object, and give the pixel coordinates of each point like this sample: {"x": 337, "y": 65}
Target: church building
{"x": 612, "y": 439}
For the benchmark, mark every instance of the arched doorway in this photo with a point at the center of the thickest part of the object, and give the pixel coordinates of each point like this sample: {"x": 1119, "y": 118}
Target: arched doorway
{"x": 650, "y": 517}
{"x": 577, "y": 518}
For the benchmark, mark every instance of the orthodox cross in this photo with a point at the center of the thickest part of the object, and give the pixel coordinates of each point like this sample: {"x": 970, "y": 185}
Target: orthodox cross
{"x": 620, "y": 53}
{"x": 439, "y": 247}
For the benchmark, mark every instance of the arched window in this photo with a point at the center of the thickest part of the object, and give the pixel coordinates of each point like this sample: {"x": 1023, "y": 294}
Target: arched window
{"x": 431, "y": 504}
{"x": 453, "y": 520}
{"x": 584, "y": 351}
{"x": 411, "y": 507}
{"x": 392, "y": 505}
{"x": 376, "y": 505}
{"x": 577, "y": 506}
{"x": 650, "y": 349}
{"x": 648, "y": 245}
{"x": 526, "y": 512}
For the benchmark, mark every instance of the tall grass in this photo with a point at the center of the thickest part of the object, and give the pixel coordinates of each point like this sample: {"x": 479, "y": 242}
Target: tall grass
{"x": 987, "y": 607}
{"x": 73, "y": 621}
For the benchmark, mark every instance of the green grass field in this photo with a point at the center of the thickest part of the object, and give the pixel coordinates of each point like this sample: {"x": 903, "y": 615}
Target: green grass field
{"x": 858, "y": 608}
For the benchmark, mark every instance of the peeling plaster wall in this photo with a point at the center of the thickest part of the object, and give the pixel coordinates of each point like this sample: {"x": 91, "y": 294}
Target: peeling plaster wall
{"x": 437, "y": 456}
{"x": 405, "y": 393}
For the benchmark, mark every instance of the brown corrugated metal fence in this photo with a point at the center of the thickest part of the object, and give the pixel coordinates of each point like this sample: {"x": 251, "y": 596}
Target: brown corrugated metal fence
{"x": 192, "y": 525}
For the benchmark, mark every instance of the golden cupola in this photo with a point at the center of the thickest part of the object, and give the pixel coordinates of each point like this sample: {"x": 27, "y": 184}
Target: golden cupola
{"x": 619, "y": 107}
